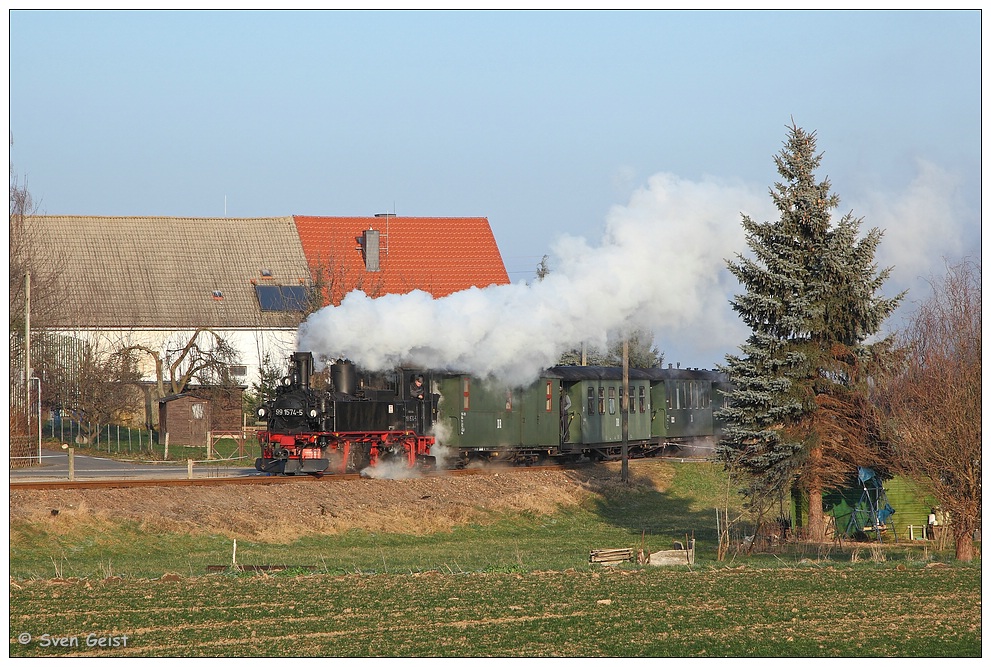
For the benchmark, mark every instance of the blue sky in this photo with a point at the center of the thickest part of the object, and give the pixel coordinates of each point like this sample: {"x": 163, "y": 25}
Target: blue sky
{"x": 549, "y": 124}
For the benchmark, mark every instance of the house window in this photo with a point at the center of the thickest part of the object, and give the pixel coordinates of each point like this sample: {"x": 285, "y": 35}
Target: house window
{"x": 239, "y": 371}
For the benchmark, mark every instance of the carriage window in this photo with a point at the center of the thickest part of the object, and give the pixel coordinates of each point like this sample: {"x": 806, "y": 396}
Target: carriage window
{"x": 465, "y": 394}
{"x": 612, "y": 400}
{"x": 643, "y": 400}
{"x": 509, "y": 400}
{"x": 591, "y": 400}
{"x": 602, "y": 400}
{"x": 550, "y": 394}
{"x": 632, "y": 405}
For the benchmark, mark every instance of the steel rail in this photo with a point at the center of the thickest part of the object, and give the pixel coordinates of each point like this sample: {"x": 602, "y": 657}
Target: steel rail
{"x": 223, "y": 481}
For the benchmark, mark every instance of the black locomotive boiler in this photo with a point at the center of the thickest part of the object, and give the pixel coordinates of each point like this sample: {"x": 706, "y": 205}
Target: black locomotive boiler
{"x": 361, "y": 420}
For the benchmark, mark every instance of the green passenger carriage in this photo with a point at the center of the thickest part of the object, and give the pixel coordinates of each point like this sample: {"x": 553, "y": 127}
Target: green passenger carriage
{"x": 576, "y": 413}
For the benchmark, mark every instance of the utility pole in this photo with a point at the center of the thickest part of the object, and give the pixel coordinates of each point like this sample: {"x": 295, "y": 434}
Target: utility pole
{"x": 27, "y": 349}
{"x": 624, "y": 406}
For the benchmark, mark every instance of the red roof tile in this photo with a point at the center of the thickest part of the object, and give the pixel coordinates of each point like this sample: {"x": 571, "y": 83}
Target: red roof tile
{"x": 436, "y": 255}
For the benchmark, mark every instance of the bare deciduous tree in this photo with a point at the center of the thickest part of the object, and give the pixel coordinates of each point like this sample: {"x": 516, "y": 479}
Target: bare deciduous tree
{"x": 47, "y": 302}
{"x": 931, "y": 400}
{"x": 187, "y": 359}
{"x": 105, "y": 391}
{"x": 333, "y": 280}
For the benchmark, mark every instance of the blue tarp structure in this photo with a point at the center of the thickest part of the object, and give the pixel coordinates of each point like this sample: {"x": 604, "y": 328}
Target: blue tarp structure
{"x": 872, "y": 513}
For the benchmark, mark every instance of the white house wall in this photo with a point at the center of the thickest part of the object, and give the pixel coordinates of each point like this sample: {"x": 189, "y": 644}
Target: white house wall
{"x": 252, "y": 346}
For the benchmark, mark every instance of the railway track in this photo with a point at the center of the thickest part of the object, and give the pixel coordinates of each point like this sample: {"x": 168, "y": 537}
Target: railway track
{"x": 225, "y": 481}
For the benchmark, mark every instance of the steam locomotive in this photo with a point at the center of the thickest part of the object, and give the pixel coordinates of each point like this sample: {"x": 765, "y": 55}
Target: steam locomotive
{"x": 364, "y": 421}
{"x": 408, "y": 416}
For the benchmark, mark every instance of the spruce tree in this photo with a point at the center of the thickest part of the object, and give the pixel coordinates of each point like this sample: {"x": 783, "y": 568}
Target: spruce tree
{"x": 798, "y": 411}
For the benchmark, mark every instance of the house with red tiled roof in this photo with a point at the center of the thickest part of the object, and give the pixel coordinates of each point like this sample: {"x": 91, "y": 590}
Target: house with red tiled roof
{"x": 160, "y": 286}
{"x": 389, "y": 254}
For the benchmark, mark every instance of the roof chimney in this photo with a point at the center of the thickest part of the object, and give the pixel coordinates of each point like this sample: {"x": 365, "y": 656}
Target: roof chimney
{"x": 370, "y": 243}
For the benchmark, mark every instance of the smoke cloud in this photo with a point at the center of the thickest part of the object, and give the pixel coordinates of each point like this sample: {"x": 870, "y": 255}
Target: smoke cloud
{"x": 660, "y": 266}
{"x": 925, "y": 223}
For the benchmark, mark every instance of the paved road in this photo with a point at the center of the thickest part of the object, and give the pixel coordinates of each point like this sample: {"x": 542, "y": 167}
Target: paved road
{"x": 55, "y": 466}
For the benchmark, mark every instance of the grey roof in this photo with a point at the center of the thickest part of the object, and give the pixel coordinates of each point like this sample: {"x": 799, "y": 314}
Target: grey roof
{"x": 158, "y": 272}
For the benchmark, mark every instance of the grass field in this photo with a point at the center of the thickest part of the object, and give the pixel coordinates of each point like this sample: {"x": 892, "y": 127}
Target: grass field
{"x": 511, "y": 585}
{"x": 744, "y": 611}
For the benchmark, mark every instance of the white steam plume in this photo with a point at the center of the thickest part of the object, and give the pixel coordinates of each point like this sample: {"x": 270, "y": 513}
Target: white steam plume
{"x": 926, "y": 222}
{"x": 659, "y": 266}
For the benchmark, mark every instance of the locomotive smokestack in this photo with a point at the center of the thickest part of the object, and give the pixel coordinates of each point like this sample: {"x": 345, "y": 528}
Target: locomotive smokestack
{"x": 303, "y": 361}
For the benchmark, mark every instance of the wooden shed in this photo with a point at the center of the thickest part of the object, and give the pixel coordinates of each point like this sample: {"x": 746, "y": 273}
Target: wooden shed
{"x": 190, "y": 416}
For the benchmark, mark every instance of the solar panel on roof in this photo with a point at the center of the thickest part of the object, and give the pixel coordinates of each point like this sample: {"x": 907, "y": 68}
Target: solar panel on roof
{"x": 295, "y": 297}
{"x": 281, "y": 297}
